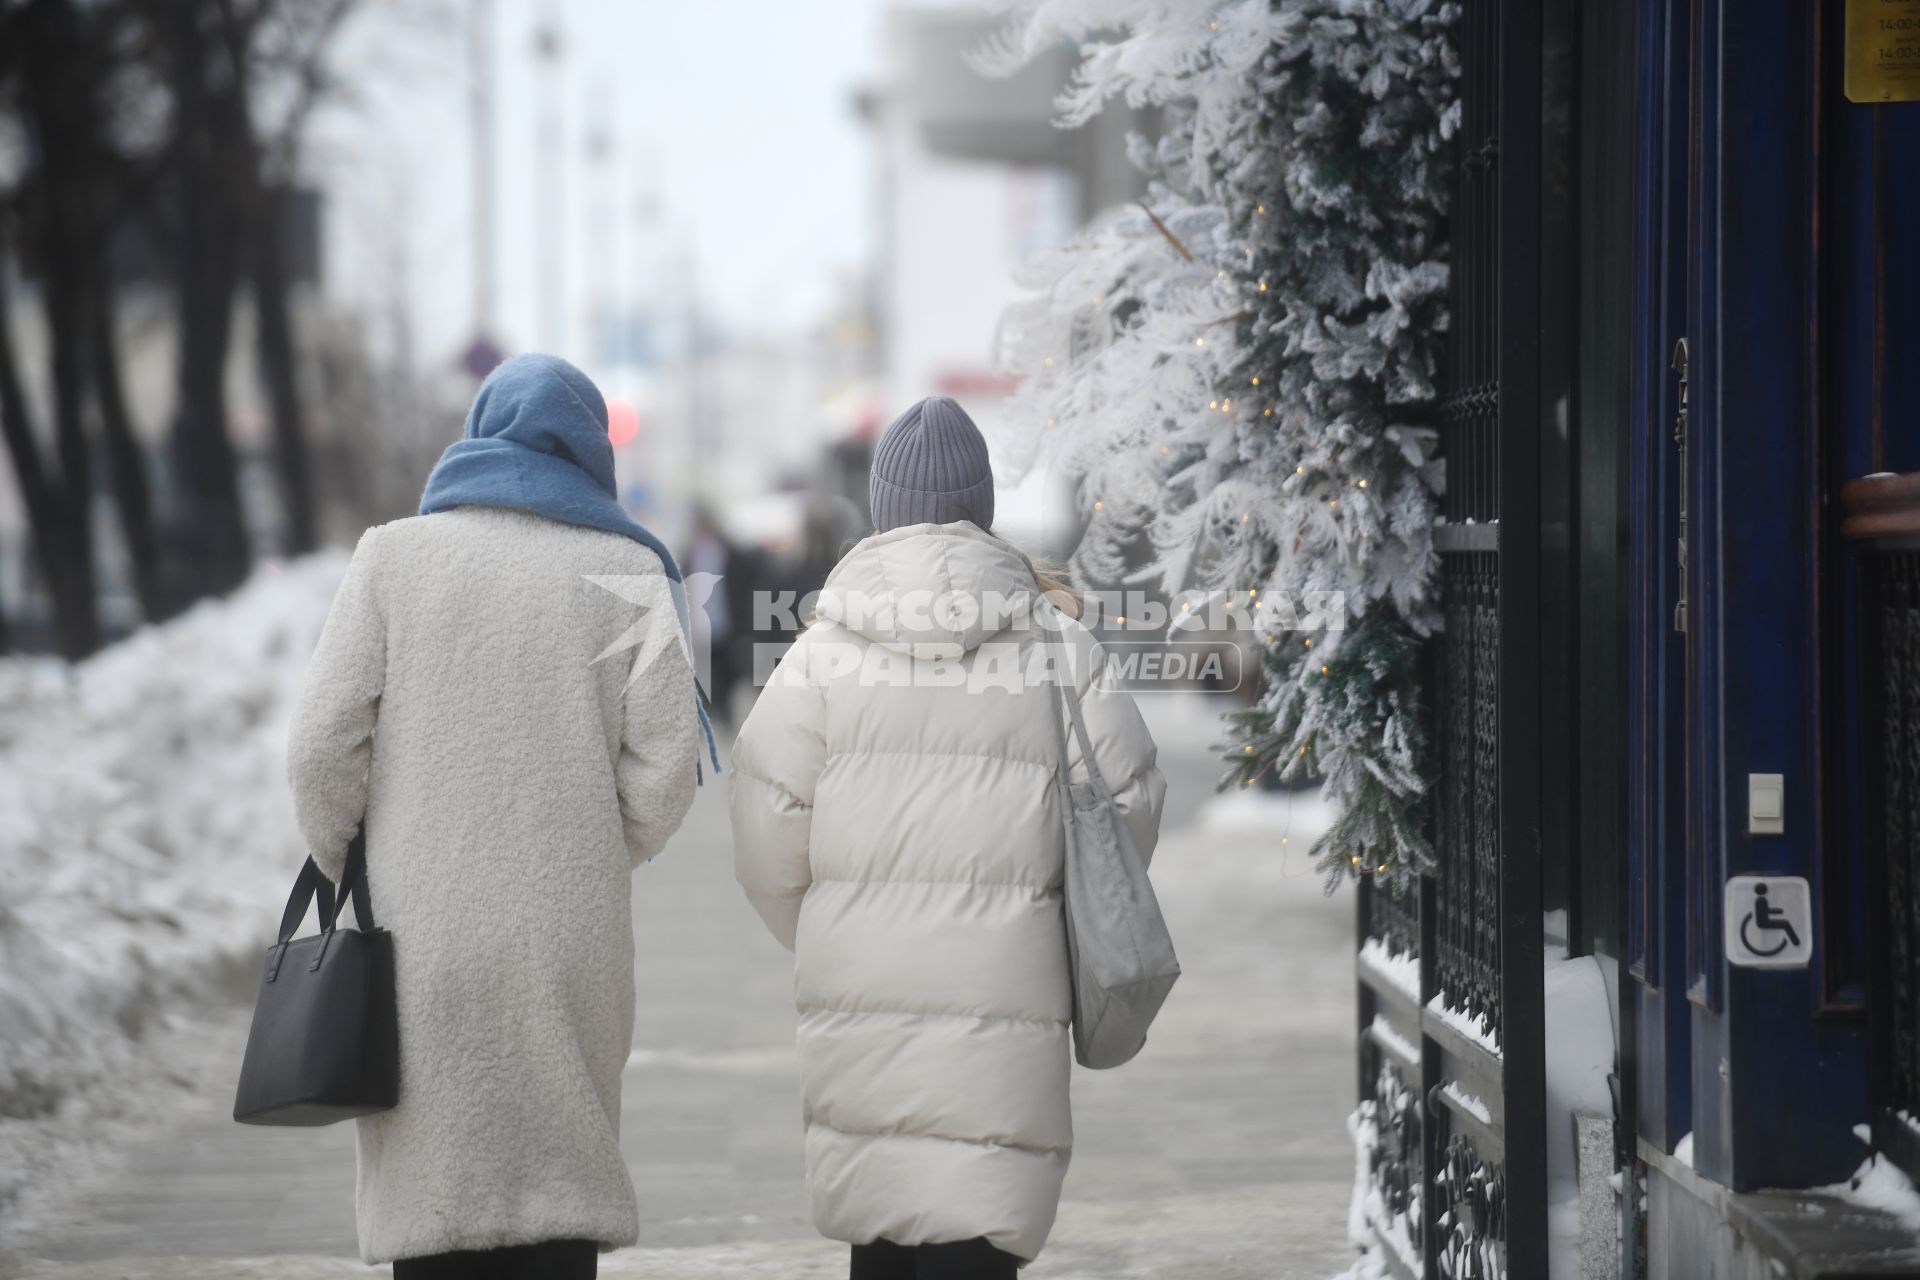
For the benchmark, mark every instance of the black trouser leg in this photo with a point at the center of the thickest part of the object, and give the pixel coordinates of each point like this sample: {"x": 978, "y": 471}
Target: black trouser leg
{"x": 474, "y": 1263}
{"x": 548, "y": 1260}
{"x": 552, "y": 1260}
{"x": 965, "y": 1260}
{"x": 881, "y": 1260}
{"x": 960, "y": 1260}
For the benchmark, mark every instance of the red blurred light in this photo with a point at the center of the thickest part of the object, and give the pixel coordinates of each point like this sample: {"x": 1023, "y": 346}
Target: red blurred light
{"x": 623, "y": 422}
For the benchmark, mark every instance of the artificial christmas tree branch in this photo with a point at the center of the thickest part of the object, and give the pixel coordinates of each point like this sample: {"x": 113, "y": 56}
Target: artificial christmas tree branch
{"x": 1244, "y": 366}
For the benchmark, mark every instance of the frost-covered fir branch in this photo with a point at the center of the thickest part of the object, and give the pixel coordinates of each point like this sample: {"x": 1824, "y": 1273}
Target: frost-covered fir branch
{"x": 1242, "y": 366}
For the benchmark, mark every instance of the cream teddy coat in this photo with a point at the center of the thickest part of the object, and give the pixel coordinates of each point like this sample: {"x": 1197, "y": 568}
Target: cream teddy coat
{"x": 896, "y": 823}
{"x": 511, "y": 778}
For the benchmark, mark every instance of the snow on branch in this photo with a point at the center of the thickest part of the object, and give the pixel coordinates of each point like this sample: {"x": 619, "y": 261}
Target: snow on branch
{"x": 1243, "y": 365}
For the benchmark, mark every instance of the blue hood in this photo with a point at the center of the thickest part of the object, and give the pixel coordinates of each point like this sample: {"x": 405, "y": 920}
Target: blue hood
{"x": 536, "y": 441}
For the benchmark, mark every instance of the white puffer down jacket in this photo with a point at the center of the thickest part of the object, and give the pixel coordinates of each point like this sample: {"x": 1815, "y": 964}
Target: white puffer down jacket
{"x": 896, "y": 822}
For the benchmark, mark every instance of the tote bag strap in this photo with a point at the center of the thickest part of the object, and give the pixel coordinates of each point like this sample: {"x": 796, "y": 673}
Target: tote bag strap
{"x": 311, "y": 887}
{"x": 1063, "y": 775}
{"x": 1067, "y": 692}
{"x": 353, "y": 883}
{"x": 311, "y": 884}
{"x": 1094, "y": 775}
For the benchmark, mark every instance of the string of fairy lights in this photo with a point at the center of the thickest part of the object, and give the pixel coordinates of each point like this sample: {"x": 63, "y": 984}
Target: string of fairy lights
{"x": 1333, "y": 328}
{"x": 1224, "y": 405}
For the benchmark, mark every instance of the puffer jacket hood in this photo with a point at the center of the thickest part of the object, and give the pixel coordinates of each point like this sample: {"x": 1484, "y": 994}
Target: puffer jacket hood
{"x": 947, "y": 585}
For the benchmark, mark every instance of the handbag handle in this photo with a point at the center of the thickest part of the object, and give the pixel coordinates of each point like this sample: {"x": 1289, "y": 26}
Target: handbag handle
{"x": 353, "y": 883}
{"x": 307, "y": 888}
{"x": 1066, "y": 692}
{"x": 1098, "y": 779}
{"x": 1063, "y": 782}
{"x": 311, "y": 887}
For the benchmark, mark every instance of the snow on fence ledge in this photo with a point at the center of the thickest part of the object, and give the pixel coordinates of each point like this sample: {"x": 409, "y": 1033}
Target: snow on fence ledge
{"x": 1400, "y": 969}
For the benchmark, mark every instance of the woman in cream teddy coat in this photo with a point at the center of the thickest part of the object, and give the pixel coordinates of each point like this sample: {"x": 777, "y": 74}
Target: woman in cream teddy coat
{"x": 896, "y": 823}
{"x": 512, "y": 763}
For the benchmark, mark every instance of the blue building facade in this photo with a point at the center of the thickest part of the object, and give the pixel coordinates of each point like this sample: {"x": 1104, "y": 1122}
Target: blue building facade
{"x": 1677, "y": 701}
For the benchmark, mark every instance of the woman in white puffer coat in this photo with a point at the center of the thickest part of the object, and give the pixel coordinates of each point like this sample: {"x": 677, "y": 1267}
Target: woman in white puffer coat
{"x": 896, "y": 823}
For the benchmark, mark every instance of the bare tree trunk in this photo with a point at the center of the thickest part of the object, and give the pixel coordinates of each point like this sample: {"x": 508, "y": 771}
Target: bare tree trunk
{"x": 210, "y": 531}
{"x": 126, "y": 467}
{"x": 62, "y": 122}
{"x": 46, "y": 506}
{"x": 64, "y": 301}
{"x": 271, "y": 289}
{"x": 268, "y": 165}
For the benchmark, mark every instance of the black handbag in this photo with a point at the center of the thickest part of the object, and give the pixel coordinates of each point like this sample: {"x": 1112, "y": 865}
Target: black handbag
{"x": 325, "y": 1042}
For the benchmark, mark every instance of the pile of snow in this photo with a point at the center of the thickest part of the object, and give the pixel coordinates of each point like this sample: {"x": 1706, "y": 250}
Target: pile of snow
{"x": 1370, "y": 1224}
{"x": 1879, "y": 1185}
{"x": 1366, "y": 1267}
{"x": 1580, "y": 1057}
{"x": 146, "y": 836}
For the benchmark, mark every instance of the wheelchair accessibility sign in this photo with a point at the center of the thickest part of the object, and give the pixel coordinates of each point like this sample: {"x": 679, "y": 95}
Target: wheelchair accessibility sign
{"x": 1769, "y": 922}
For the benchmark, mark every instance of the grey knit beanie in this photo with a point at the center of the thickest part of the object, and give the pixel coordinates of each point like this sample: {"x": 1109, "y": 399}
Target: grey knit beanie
{"x": 931, "y": 467}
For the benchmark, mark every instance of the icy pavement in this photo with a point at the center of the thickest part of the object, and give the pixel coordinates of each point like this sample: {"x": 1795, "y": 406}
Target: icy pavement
{"x": 1241, "y": 1234}
{"x": 1220, "y": 1153}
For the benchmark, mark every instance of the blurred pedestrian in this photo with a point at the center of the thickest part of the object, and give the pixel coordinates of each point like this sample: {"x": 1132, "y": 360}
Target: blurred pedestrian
{"x": 904, "y": 838}
{"x": 510, "y": 774}
{"x": 829, "y": 526}
{"x": 728, "y": 574}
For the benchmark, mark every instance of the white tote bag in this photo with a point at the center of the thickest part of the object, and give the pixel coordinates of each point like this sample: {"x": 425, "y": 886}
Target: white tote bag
{"x": 1118, "y": 949}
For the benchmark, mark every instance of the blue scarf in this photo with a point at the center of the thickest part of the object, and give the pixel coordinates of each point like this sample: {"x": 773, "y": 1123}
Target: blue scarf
{"x": 536, "y": 441}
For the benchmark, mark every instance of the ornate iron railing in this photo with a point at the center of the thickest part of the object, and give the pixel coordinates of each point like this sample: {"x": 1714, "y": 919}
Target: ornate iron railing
{"x": 1446, "y": 1067}
{"x": 1392, "y": 1117}
{"x": 1467, "y": 932}
{"x": 1899, "y": 684}
{"x": 1473, "y": 1193}
{"x": 1883, "y": 515}
{"x": 1394, "y": 919}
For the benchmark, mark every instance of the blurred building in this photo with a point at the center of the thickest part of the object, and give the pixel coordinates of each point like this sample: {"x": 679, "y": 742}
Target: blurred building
{"x": 971, "y": 178}
{"x": 1659, "y": 1003}
{"x": 746, "y": 424}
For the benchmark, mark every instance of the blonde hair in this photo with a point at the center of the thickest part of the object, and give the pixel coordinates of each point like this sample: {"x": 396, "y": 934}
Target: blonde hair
{"x": 1055, "y": 581}
{"x": 1058, "y": 588}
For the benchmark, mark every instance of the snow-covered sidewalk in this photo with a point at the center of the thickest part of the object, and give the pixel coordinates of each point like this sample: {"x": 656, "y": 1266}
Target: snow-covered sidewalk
{"x": 146, "y": 840}
{"x": 1246, "y": 1234}
{"x": 1221, "y": 1152}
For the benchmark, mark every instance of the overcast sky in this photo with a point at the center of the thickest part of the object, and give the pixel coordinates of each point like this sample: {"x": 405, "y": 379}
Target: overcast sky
{"x": 738, "y": 116}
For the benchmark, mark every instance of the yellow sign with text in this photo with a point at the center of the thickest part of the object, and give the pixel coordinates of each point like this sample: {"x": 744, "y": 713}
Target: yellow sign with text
{"x": 1883, "y": 51}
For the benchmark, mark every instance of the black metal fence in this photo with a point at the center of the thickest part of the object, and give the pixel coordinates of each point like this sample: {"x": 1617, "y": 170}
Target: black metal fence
{"x": 1451, "y": 1048}
{"x": 1899, "y": 686}
{"x": 1467, "y": 934}
{"x": 1883, "y": 512}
